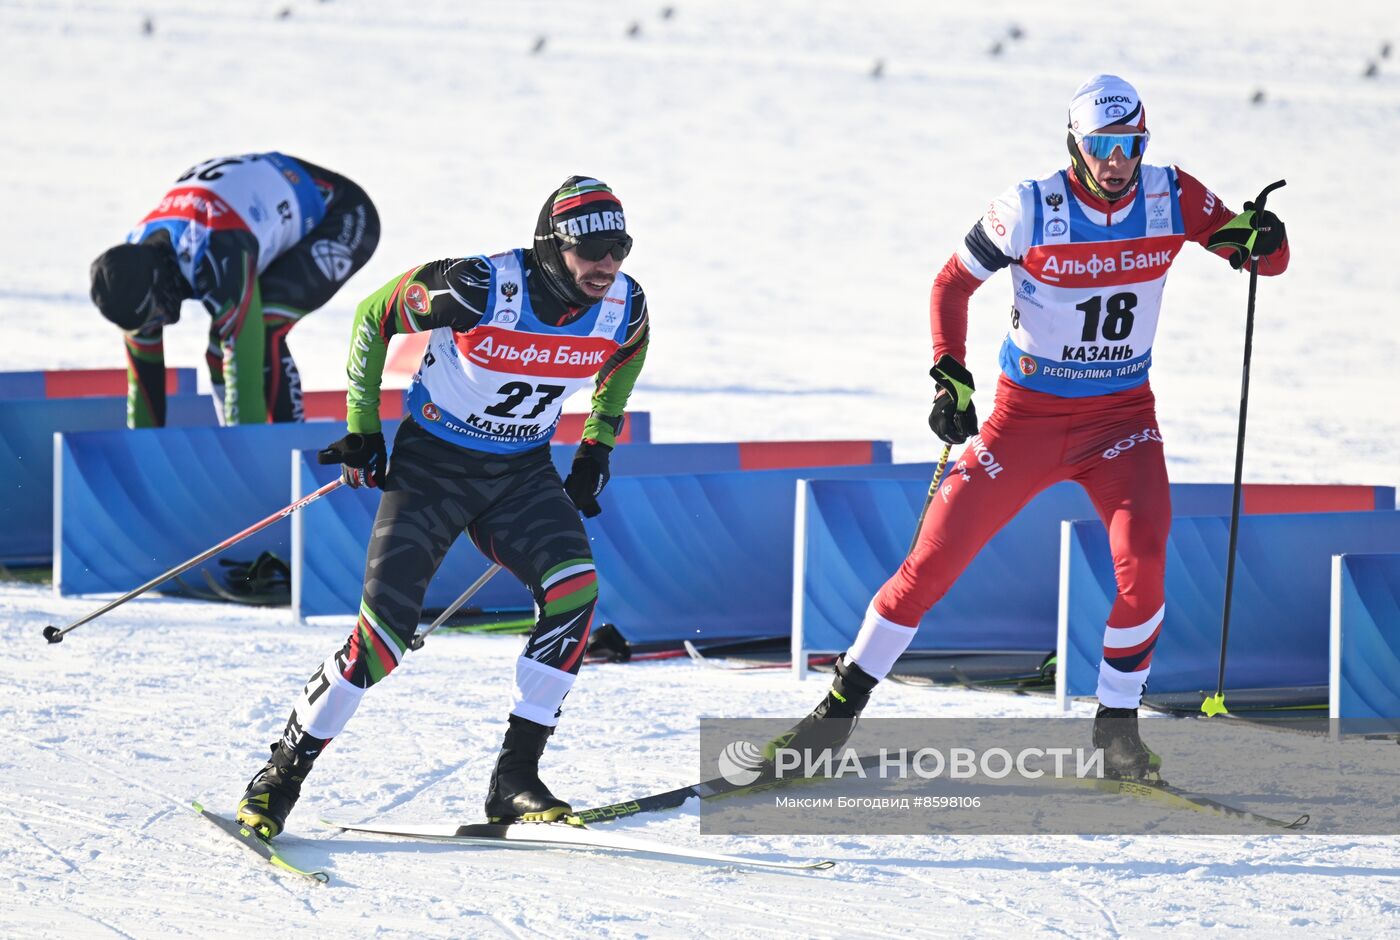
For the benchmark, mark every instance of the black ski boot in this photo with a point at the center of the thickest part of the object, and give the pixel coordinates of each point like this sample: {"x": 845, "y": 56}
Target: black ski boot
{"x": 834, "y": 719}
{"x": 273, "y": 792}
{"x": 1125, "y": 757}
{"x": 517, "y": 794}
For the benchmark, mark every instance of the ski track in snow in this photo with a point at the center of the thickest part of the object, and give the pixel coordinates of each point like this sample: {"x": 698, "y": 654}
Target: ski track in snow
{"x": 112, "y": 735}
{"x": 786, "y": 238}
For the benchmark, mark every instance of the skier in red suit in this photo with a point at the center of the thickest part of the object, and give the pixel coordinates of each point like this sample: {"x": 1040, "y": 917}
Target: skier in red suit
{"x": 1088, "y": 248}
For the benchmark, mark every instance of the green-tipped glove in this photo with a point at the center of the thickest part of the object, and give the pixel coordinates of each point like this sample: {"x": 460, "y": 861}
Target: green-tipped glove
{"x": 1248, "y": 235}
{"x": 954, "y": 417}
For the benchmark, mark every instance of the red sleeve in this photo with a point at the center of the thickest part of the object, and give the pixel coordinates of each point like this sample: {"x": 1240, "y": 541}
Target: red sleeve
{"x": 1203, "y": 213}
{"x": 947, "y": 309}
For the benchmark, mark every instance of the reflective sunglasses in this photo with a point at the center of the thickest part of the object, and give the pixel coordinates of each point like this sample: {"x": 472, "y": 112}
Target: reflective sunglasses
{"x": 1101, "y": 146}
{"x": 595, "y": 249}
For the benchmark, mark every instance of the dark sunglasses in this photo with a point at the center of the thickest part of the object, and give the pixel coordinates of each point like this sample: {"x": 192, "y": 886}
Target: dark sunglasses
{"x": 595, "y": 249}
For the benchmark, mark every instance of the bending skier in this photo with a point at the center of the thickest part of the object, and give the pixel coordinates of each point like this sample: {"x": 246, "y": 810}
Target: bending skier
{"x": 1089, "y": 248}
{"x": 513, "y": 335}
{"x": 261, "y": 240}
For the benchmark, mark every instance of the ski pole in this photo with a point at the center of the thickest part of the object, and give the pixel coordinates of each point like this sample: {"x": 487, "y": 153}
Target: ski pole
{"x": 55, "y": 635}
{"x": 417, "y": 642}
{"x": 1215, "y": 704}
{"x": 932, "y": 491}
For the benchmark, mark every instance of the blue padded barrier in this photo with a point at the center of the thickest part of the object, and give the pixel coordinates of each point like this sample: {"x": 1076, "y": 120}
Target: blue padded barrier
{"x": 706, "y": 555}
{"x": 135, "y": 503}
{"x": 328, "y": 563}
{"x": 1279, "y": 614}
{"x": 857, "y": 533}
{"x": 27, "y": 427}
{"x": 1365, "y": 646}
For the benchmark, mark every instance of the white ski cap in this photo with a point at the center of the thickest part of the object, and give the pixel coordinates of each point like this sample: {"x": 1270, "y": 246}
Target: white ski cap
{"x": 1105, "y": 100}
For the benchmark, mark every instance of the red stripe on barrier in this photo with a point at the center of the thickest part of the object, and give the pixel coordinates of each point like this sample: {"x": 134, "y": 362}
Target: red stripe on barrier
{"x": 780, "y": 455}
{"x": 570, "y": 429}
{"x": 1303, "y": 497}
{"x": 331, "y": 405}
{"x": 97, "y": 383}
{"x": 405, "y": 354}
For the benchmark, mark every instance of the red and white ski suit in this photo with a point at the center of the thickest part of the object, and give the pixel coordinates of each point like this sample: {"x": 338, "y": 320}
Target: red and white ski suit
{"x": 1073, "y": 401}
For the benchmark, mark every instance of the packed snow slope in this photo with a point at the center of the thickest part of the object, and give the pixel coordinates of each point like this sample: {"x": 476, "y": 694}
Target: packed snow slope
{"x": 790, "y": 210}
{"x": 111, "y": 732}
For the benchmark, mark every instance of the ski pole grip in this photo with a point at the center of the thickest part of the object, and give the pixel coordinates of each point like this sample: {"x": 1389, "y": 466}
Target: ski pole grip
{"x": 1264, "y": 194}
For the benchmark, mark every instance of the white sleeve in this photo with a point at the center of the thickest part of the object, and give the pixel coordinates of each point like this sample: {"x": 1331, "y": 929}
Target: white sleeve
{"x": 999, "y": 238}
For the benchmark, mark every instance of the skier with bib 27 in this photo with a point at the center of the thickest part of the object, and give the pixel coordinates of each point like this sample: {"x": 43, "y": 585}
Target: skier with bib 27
{"x": 512, "y": 336}
{"x": 1089, "y": 248}
{"x": 261, "y": 239}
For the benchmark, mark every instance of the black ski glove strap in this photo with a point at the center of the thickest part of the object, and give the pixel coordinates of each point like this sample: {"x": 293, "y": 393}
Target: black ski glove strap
{"x": 954, "y": 417}
{"x": 588, "y": 476}
{"x": 363, "y": 457}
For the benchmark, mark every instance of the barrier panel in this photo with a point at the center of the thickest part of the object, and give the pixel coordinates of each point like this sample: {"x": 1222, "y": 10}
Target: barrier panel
{"x": 705, "y": 556}
{"x": 1279, "y": 613}
{"x": 131, "y": 504}
{"x": 27, "y": 494}
{"x": 86, "y": 383}
{"x": 27, "y": 428}
{"x": 852, "y": 535}
{"x": 328, "y": 564}
{"x": 1364, "y": 655}
{"x": 330, "y": 405}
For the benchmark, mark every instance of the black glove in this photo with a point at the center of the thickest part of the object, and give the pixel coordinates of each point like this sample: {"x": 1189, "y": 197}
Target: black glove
{"x": 954, "y": 417}
{"x": 364, "y": 458}
{"x": 1271, "y": 232}
{"x": 588, "y": 476}
{"x": 1249, "y": 235}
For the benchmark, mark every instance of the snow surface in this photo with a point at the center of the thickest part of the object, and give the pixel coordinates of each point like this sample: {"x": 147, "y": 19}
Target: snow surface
{"x": 790, "y": 212}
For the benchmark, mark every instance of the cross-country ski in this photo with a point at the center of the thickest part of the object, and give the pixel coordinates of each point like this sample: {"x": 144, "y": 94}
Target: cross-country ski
{"x": 565, "y": 836}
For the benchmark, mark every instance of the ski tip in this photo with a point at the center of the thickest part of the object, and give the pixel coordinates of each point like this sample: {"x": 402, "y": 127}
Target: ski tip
{"x": 277, "y": 861}
{"x": 822, "y": 865}
{"x": 1300, "y": 822}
